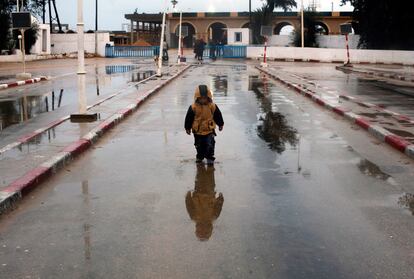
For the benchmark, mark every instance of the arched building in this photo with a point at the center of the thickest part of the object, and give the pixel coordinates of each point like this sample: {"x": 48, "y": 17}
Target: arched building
{"x": 213, "y": 26}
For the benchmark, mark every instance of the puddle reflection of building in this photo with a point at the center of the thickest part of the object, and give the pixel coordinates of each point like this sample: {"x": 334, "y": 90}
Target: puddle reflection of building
{"x": 86, "y": 225}
{"x": 203, "y": 204}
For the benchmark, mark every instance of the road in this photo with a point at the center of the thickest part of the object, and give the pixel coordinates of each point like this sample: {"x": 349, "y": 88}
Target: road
{"x": 296, "y": 192}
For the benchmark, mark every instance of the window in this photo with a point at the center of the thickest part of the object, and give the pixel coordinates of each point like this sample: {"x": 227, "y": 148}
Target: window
{"x": 238, "y": 37}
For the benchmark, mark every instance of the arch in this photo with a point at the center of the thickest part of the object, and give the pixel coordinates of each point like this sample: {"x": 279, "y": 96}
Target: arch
{"x": 217, "y": 31}
{"x": 321, "y": 28}
{"x": 281, "y": 25}
{"x": 188, "y": 41}
{"x": 245, "y": 25}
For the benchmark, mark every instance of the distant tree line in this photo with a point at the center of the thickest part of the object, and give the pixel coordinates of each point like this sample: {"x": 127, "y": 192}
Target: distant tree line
{"x": 8, "y": 39}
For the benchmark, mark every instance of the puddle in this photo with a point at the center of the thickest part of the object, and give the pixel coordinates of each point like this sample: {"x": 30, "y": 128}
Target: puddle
{"x": 203, "y": 204}
{"x": 375, "y": 115}
{"x": 220, "y": 84}
{"x": 407, "y": 202}
{"x": 138, "y": 76}
{"x": 400, "y": 133}
{"x": 370, "y": 169}
{"x": 15, "y": 111}
{"x": 118, "y": 69}
{"x": 273, "y": 127}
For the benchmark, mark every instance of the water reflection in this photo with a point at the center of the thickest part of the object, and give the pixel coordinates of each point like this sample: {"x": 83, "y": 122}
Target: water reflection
{"x": 273, "y": 127}
{"x": 203, "y": 205}
{"x": 220, "y": 84}
{"x": 118, "y": 69}
{"x": 138, "y": 76}
{"x": 407, "y": 201}
{"x": 14, "y": 111}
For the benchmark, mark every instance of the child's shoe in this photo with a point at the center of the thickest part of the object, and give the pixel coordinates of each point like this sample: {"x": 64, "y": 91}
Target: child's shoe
{"x": 210, "y": 162}
{"x": 199, "y": 161}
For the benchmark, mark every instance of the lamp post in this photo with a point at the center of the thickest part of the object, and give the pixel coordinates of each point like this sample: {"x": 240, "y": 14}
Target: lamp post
{"x": 82, "y": 116}
{"x": 159, "y": 70}
{"x": 175, "y": 2}
{"x": 302, "y": 28}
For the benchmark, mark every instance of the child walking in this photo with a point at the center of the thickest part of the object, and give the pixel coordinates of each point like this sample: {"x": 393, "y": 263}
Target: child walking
{"x": 202, "y": 118}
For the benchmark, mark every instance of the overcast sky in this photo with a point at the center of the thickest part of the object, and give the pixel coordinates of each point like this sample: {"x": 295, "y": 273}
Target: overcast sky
{"x": 111, "y": 12}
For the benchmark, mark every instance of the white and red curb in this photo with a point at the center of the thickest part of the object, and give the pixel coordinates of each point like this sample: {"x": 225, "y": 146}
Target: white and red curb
{"x": 22, "y": 82}
{"x": 23, "y": 185}
{"x": 378, "y": 132}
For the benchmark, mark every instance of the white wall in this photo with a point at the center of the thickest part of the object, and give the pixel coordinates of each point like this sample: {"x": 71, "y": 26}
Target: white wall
{"x": 333, "y": 55}
{"x": 42, "y": 45}
{"x": 324, "y": 41}
{"x": 231, "y": 37}
{"x": 67, "y": 43}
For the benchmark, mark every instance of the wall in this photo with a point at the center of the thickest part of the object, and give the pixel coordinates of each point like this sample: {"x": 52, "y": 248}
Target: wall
{"x": 42, "y": 45}
{"x": 334, "y": 55}
{"x": 324, "y": 41}
{"x": 231, "y": 36}
{"x": 68, "y": 43}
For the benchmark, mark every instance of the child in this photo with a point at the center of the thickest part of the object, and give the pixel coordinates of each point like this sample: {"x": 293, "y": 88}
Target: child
{"x": 202, "y": 118}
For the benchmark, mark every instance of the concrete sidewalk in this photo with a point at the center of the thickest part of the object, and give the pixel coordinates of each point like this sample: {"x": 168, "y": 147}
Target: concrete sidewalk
{"x": 26, "y": 165}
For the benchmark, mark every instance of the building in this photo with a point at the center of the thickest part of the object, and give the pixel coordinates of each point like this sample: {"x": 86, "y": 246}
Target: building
{"x": 213, "y": 26}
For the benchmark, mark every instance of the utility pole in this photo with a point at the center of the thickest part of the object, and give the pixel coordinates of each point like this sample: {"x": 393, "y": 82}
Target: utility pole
{"x": 81, "y": 60}
{"x": 302, "y": 25}
{"x": 159, "y": 70}
{"x": 96, "y": 27}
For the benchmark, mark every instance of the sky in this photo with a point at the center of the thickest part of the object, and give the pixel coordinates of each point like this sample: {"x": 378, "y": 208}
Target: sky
{"x": 111, "y": 12}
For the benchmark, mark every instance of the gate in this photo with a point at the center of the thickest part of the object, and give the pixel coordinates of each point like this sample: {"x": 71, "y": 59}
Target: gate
{"x": 226, "y": 51}
{"x": 131, "y": 51}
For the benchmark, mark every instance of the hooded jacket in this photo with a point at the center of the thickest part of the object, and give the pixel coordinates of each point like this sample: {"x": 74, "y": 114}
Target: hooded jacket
{"x": 202, "y": 118}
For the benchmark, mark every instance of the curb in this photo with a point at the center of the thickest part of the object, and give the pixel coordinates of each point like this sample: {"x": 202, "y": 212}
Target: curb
{"x": 378, "y": 132}
{"x": 23, "y": 185}
{"x": 325, "y": 61}
{"x": 375, "y": 73}
{"x": 23, "y": 82}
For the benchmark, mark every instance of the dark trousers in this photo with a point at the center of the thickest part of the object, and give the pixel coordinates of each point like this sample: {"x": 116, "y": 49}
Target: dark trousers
{"x": 205, "y": 146}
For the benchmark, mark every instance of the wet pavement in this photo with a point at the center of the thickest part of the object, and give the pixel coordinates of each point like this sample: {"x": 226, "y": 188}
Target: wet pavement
{"x": 393, "y": 95}
{"x": 294, "y": 194}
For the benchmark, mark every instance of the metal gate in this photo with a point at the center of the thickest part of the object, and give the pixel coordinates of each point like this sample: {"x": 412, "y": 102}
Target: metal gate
{"x": 226, "y": 51}
{"x": 131, "y": 51}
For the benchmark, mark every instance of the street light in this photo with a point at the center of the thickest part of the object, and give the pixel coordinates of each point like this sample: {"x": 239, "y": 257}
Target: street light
{"x": 159, "y": 70}
{"x": 302, "y": 26}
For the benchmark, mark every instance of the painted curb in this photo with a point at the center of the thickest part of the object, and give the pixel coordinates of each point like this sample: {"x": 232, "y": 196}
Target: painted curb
{"x": 380, "y": 133}
{"x": 23, "y": 82}
{"x": 375, "y": 73}
{"x": 23, "y": 185}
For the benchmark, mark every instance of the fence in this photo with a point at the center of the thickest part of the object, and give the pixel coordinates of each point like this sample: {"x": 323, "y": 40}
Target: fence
{"x": 131, "y": 51}
{"x": 226, "y": 51}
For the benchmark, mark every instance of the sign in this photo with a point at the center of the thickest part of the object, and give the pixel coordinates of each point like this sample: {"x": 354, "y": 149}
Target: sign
{"x": 21, "y": 20}
{"x": 184, "y": 31}
{"x": 266, "y": 31}
{"x": 346, "y": 28}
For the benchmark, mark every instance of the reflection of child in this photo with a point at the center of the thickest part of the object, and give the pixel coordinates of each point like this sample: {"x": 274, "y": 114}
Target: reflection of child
{"x": 203, "y": 206}
{"x": 202, "y": 118}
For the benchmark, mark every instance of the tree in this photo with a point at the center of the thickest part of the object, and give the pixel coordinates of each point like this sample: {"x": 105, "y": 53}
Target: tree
{"x": 264, "y": 15}
{"x": 6, "y": 7}
{"x": 383, "y": 24}
{"x": 311, "y": 28}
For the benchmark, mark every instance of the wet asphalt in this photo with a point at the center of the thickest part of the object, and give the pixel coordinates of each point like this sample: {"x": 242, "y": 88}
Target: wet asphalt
{"x": 295, "y": 193}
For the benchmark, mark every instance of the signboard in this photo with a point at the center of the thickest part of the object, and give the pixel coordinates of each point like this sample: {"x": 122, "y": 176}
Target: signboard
{"x": 21, "y": 20}
{"x": 346, "y": 28}
{"x": 266, "y": 31}
{"x": 184, "y": 31}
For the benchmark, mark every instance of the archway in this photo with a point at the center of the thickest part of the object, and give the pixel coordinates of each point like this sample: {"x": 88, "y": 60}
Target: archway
{"x": 188, "y": 41}
{"x": 217, "y": 32}
{"x": 321, "y": 28}
{"x": 283, "y": 28}
{"x": 246, "y": 25}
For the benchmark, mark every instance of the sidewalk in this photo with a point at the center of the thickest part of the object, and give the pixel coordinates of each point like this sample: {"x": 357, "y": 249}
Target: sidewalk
{"x": 26, "y": 165}
{"x": 401, "y": 73}
{"x": 393, "y": 128}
